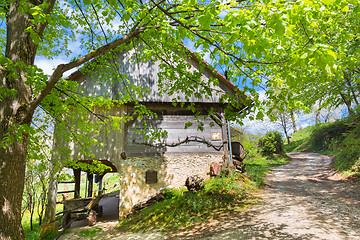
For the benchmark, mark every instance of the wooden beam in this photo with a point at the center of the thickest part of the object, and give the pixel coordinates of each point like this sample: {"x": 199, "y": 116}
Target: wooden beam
{"x": 69, "y": 191}
{"x": 77, "y": 182}
{"x": 90, "y": 185}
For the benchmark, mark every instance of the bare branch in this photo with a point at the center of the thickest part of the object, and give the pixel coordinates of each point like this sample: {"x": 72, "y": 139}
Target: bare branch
{"x": 92, "y": 32}
{"x": 98, "y": 19}
{"x": 186, "y": 140}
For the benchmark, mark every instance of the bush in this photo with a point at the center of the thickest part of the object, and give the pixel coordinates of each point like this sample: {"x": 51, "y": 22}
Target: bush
{"x": 328, "y": 135}
{"x": 271, "y": 143}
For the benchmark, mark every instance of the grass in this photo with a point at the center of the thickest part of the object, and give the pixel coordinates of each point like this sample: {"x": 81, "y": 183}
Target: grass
{"x": 299, "y": 140}
{"x": 220, "y": 195}
{"x": 35, "y": 233}
{"x": 182, "y": 210}
{"x": 257, "y": 166}
{"x": 89, "y": 233}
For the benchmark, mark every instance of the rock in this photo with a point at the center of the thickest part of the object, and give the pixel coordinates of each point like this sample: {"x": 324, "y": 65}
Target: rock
{"x": 239, "y": 165}
{"x": 227, "y": 168}
{"x": 194, "y": 183}
{"x": 149, "y": 202}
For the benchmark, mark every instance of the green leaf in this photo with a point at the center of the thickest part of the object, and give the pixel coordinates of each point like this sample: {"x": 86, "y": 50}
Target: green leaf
{"x": 328, "y": 2}
{"x": 204, "y": 21}
{"x": 233, "y": 38}
{"x": 260, "y": 115}
{"x": 87, "y": 2}
{"x": 279, "y": 28}
{"x": 345, "y": 9}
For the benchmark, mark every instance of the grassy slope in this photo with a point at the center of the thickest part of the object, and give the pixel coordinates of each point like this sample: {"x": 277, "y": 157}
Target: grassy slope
{"x": 340, "y": 138}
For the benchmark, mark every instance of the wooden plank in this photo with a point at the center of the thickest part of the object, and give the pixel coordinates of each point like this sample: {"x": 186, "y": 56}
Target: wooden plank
{"x": 164, "y": 124}
{"x": 77, "y": 175}
{"x": 188, "y": 148}
{"x": 66, "y": 182}
{"x": 144, "y": 75}
{"x": 69, "y": 191}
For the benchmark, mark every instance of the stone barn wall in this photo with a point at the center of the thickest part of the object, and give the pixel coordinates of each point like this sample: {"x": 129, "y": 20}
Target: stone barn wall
{"x": 172, "y": 171}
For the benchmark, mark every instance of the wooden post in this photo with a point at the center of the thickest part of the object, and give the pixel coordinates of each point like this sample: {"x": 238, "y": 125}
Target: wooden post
{"x": 123, "y": 127}
{"x": 77, "y": 182}
{"x": 224, "y": 132}
{"x": 90, "y": 188}
{"x": 227, "y": 168}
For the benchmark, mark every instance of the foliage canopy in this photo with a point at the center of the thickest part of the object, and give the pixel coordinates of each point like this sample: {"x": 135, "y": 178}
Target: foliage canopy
{"x": 273, "y": 44}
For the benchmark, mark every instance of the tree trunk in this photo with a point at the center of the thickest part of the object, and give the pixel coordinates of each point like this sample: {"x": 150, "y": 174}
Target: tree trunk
{"x": 284, "y": 126}
{"x": 293, "y": 120}
{"x": 347, "y": 103}
{"x": 19, "y": 48}
{"x": 317, "y": 117}
{"x": 50, "y": 211}
{"x": 351, "y": 87}
{"x": 12, "y": 174}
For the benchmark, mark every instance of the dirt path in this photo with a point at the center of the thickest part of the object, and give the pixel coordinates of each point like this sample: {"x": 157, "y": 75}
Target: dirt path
{"x": 303, "y": 200}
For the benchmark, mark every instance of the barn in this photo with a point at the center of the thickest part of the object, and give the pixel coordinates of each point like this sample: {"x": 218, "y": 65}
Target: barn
{"x": 190, "y": 143}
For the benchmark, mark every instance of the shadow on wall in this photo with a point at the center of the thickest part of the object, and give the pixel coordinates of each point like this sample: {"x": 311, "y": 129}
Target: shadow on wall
{"x": 136, "y": 185}
{"x": 133, "y": 183}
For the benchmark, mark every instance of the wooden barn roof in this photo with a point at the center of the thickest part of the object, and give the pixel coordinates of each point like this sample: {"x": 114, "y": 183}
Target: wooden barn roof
{"x": 224, "y": 84}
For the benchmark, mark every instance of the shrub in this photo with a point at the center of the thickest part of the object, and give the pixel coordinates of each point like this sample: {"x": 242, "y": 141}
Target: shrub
{"x": 326, "y": 136}
{"x": 271, "y": 143}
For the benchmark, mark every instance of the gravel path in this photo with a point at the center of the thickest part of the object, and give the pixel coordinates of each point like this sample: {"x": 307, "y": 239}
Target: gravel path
{"x": 303, "y": 200}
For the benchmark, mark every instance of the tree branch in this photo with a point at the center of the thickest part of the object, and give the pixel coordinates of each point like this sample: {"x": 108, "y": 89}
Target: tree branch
{"x": 186, "y": 140}
{"x": 60, "y": 69}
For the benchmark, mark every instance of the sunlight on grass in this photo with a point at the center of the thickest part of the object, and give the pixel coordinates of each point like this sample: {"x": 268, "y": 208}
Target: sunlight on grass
{"x": 180, "y": 210}
{"x": 220, "y": 195}
{"x": 258, "y": 166}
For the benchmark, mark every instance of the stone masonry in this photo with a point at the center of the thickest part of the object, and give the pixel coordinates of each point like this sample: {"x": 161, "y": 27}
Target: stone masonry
{"x": 172, "y": 172}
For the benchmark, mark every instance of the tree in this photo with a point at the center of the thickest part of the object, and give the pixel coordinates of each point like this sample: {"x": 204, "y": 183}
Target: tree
{"x": 250, "y": 37}
{"x": 333, "y": 42}
{"x": 271, "y": 143}
{"x": 282, "y": 109}
{"x": 284, "y": 119}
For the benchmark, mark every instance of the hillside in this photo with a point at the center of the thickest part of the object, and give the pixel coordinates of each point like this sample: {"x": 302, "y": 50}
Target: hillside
{"x": 340, "y": 139}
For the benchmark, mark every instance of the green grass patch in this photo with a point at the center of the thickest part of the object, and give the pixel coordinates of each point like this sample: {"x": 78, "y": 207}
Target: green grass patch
{"x": 181, "y": 209}
{"x": 257, "y": 166}
{"x": 300, "y": 140}
{"x": 35, "y": 233}
{"x": 89, "y": 233}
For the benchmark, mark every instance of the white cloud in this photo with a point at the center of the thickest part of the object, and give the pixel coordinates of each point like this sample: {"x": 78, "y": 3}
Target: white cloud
{"x": 48, "y": 65}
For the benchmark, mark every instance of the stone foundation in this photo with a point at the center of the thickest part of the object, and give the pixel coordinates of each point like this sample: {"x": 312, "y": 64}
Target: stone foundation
{"x": 171, "y": 172}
